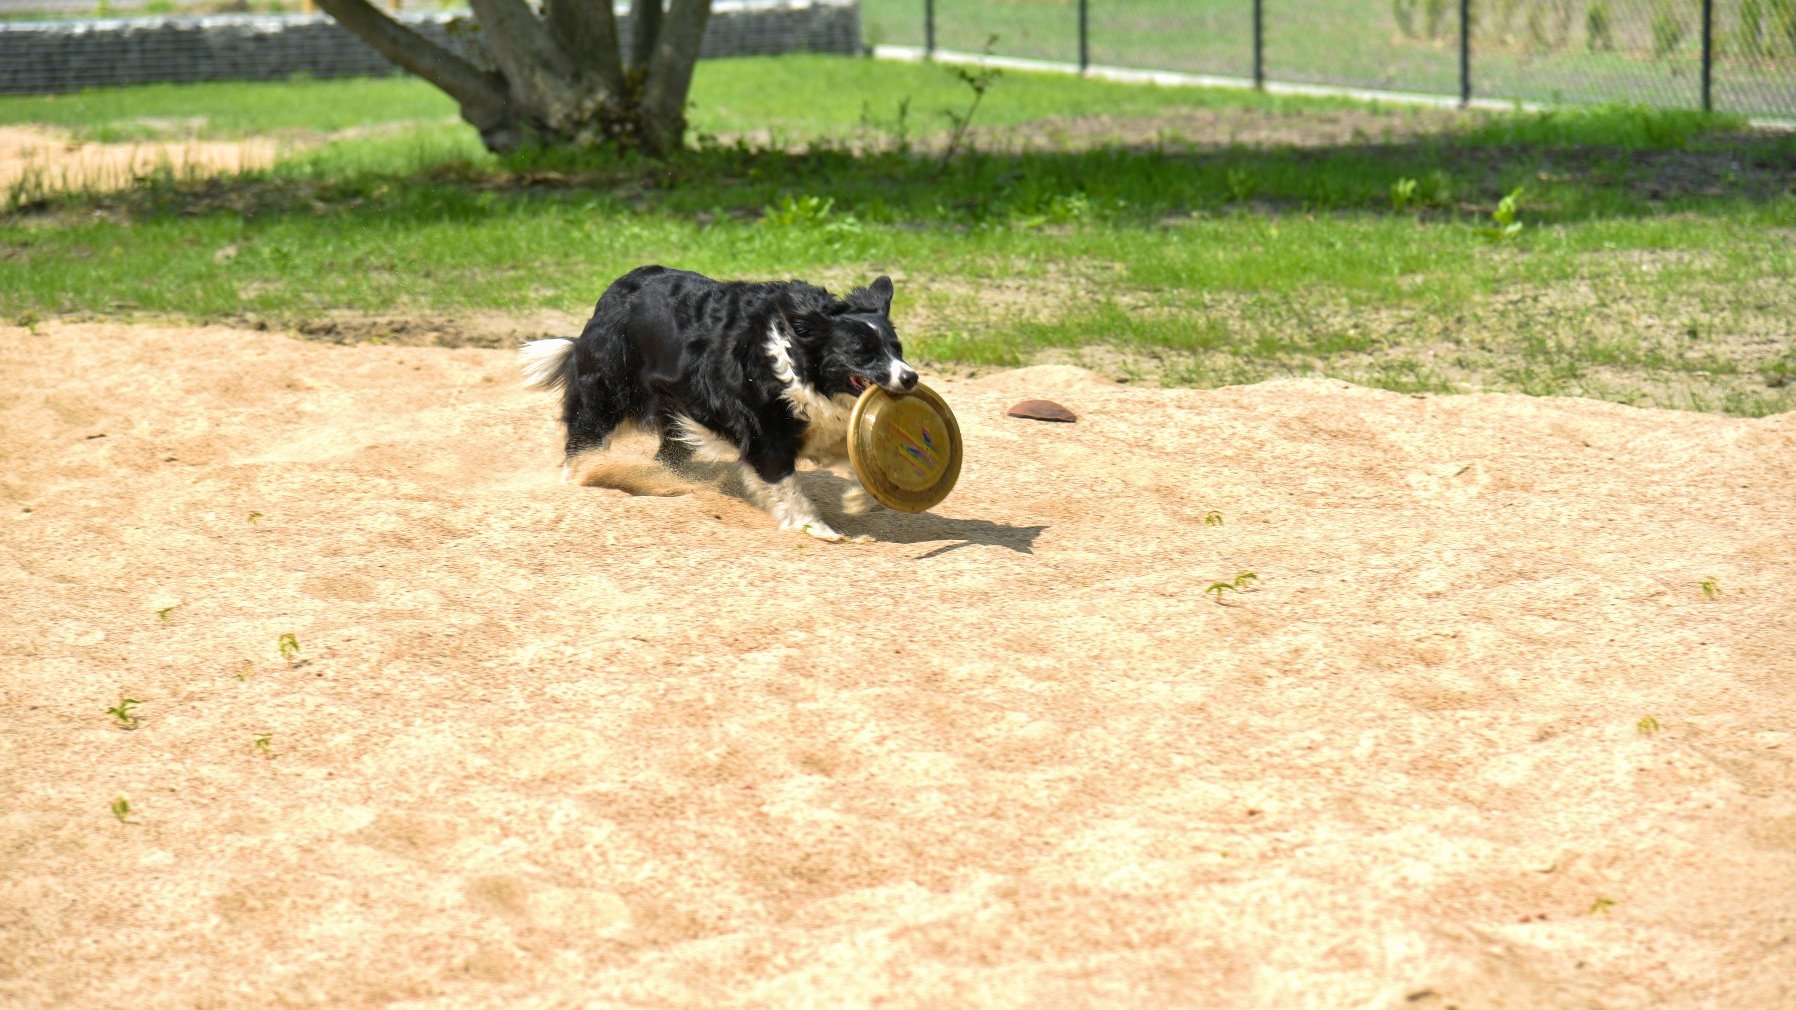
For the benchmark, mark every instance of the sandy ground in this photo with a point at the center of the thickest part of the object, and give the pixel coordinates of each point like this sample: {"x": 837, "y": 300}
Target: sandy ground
{"x": 545, "y": 745}
{"x": 42, "y": 159}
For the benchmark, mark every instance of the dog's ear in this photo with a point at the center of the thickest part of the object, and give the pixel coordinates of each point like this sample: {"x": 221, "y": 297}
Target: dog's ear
{"x": 875, "y": 297}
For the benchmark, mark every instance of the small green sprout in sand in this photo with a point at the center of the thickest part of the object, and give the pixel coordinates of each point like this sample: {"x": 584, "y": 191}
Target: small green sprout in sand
{"x": 289, "y": 645}
{"x": 122, "y": 714}
{"x": 165, "y": 611}
{"x": 1601, "y": 906}
{"x": 1647, "y": 726}
{"x": 1212, "y": 518}
{"x": 262, "y": 745}
{"x": 1240, "y": 583}
{"x": 1710, "y": 588}
{"x": 121, "y": 809}
{"x": 254, "y": 517}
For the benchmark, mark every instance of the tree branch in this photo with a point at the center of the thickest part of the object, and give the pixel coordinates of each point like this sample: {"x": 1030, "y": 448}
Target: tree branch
{"x": 483, "y": 97}
{"x": 518, "y": 41}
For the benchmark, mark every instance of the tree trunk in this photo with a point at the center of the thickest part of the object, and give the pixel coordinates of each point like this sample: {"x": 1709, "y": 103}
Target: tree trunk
{"x": 545, "y": 82}
{"x": 588, "y": 29}
{"x": 560, "y": 77}
{"x": 670, "y": 75}
{"x": 645, "y": 28}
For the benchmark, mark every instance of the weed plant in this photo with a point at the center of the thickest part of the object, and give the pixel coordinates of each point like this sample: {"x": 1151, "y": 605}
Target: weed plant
{"x": 123, "y": 714}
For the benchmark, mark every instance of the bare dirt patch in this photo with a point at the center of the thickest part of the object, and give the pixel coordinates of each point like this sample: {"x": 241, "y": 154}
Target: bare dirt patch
{"x": 1233, "y": 127}
{"x": 1503, "y": 720}
{"x": 43, "y": 160}
{"x": 481, "y": 328}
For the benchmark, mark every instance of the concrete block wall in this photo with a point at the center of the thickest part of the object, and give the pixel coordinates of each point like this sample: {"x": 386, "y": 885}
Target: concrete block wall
{"x": 56, "y": 56}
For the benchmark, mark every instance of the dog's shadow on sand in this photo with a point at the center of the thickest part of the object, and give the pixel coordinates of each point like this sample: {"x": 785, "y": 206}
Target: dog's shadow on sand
{"x": 834, "y": 494}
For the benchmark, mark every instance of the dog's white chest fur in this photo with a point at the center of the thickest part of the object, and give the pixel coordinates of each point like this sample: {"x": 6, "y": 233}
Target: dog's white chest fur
{"x": 825, "y": 417}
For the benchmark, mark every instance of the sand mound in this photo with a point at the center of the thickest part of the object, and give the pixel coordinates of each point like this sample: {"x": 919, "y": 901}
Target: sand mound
{"x": 1476, "y": 736}
{"x": 1044, "y": 380}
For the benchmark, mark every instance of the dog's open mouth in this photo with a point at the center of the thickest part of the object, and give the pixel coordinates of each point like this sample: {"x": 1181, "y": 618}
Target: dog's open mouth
{"x": 858, "y": 383}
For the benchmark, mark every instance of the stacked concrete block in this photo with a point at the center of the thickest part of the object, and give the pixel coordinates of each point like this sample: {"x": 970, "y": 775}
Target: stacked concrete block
{"x": 55, "y": 56}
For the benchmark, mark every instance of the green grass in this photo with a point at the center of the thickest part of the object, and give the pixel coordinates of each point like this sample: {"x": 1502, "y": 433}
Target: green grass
{"x": 839, "y": 95}
{"x": 797, "y": 98}
{"x": 1651, "y": 265}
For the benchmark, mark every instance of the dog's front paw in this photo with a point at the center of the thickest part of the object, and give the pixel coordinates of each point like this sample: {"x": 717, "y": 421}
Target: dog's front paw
{"x": 822, "y": 531}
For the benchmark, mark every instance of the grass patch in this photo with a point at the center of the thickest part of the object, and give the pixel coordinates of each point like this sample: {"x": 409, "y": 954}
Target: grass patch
{"x": 1159, "y": 234}
{"x": 794, "y": 99}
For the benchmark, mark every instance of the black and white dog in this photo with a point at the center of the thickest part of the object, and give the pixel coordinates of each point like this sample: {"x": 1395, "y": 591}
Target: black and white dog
{"x": 764, "y": 373}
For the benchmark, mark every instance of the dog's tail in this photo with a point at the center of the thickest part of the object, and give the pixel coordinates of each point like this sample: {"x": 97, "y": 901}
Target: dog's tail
{"x": 545, "y": 362}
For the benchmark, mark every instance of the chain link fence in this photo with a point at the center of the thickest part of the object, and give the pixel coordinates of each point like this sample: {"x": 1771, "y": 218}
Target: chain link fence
{"x": 1731, "y": 55}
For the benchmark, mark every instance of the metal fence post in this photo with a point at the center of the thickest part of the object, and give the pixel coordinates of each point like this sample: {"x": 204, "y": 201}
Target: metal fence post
{"x": 1259, "y": 44}
{"x": 1465, "y": 52}
{"x": 929, "y": 29}
{"x": 1084, "y": 36}
{"x": 1708, "y": 54}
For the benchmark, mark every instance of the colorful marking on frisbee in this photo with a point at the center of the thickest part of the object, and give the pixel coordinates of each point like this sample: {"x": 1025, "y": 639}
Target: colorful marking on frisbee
{"x": 916, "y": 451}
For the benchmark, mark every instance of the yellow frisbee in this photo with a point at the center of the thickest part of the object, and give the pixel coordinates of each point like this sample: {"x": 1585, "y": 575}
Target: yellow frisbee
{"x": 904, "y": 448}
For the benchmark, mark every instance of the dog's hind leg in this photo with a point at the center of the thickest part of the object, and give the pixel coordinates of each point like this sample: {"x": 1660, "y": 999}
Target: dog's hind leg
{"x": 590, "y": 422}
{"x": 603, "y": 394}
{"x": 676, "y": 449}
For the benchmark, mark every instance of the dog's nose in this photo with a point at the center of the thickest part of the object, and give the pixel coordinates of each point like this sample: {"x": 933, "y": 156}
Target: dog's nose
{"x": 907, "y": 379}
